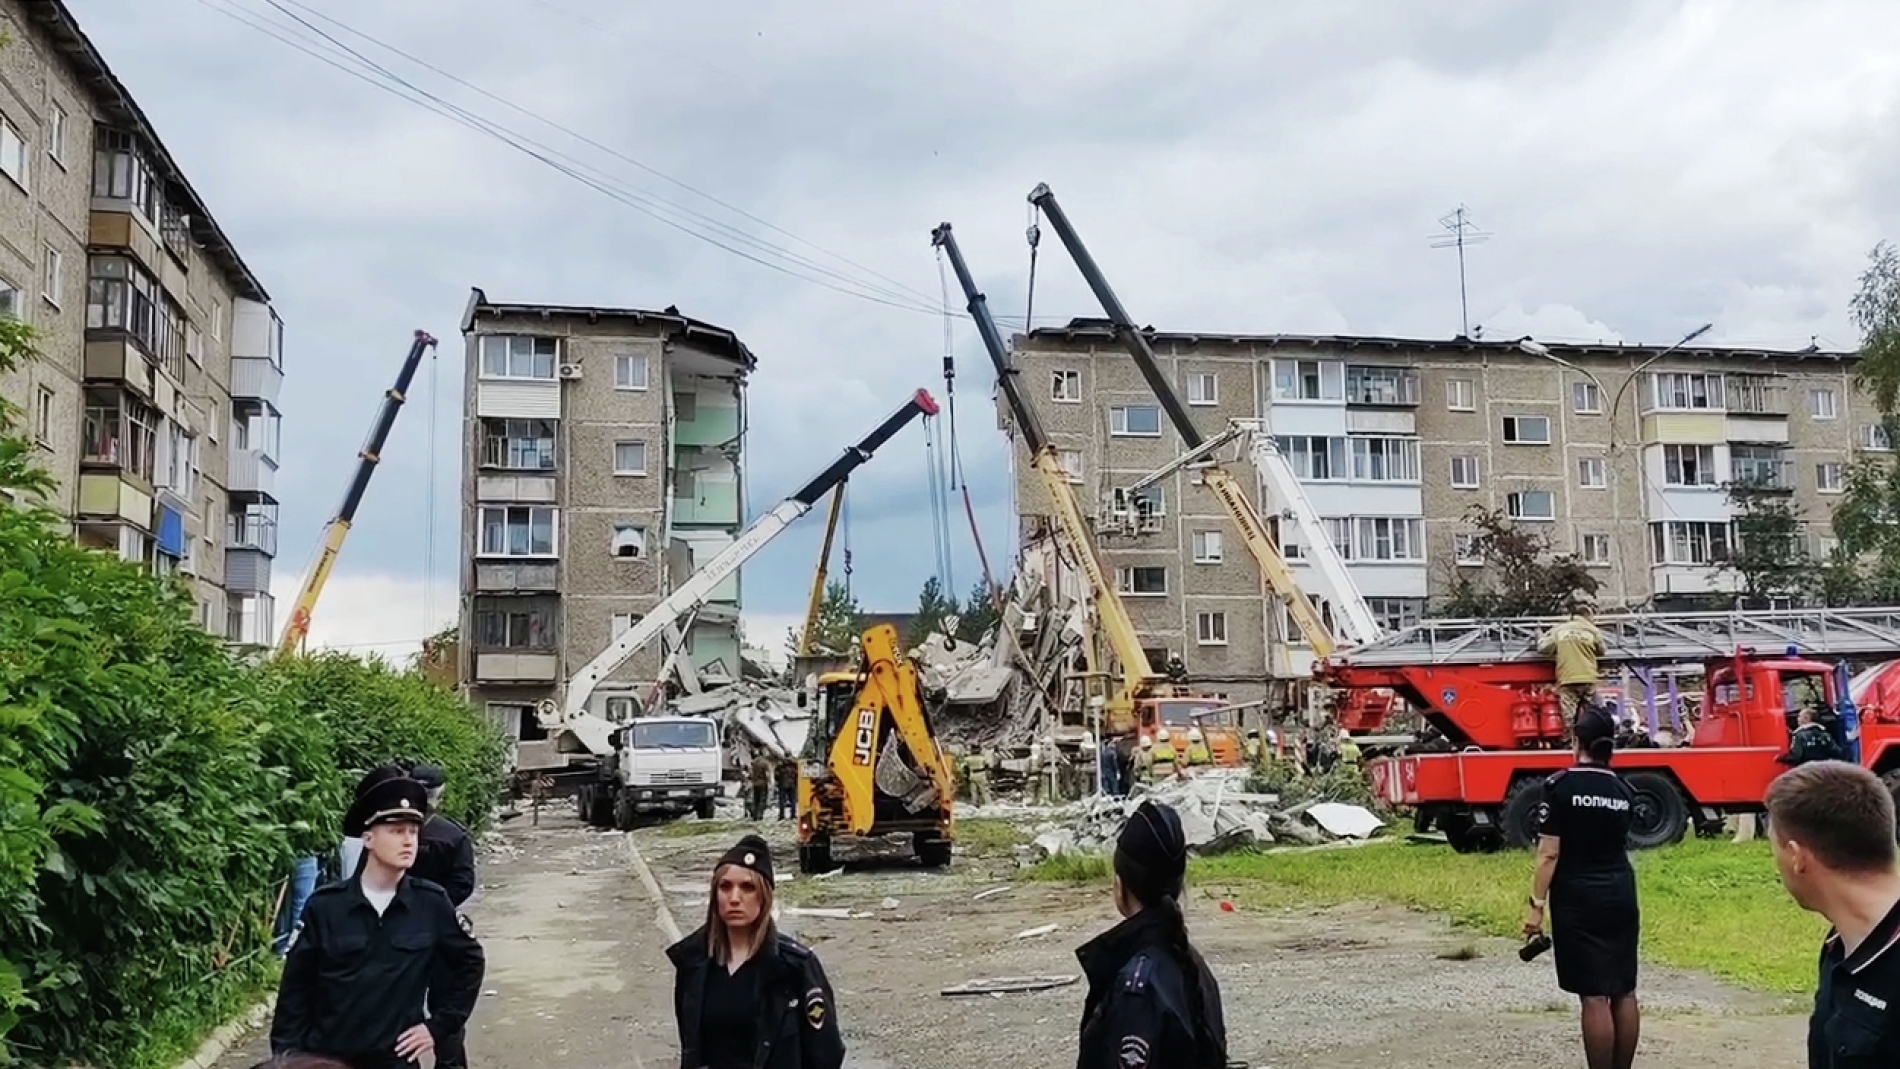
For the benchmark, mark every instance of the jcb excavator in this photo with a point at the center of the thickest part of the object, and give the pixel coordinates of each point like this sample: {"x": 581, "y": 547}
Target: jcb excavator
{"x": 873, "y": 766}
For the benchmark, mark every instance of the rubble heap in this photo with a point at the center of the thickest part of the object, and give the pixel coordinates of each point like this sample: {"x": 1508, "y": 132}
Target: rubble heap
{"x": 1218, "y": 813}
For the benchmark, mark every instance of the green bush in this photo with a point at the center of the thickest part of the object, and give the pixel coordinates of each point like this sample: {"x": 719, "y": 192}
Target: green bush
{"x": 155, "y": 790}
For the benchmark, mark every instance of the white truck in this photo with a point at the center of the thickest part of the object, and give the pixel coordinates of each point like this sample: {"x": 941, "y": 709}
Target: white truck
{"x": 668, "y": 765}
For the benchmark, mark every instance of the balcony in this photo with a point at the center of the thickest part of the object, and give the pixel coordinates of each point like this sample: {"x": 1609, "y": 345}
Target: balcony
{"x": 1386, "y": 387}
{"x": 255, "y": 380}
{"x": 1753, "y": 473}
{"x": 1756, "y": 395}
{"x": 253, "y": 529}
{"x": 115, "y": 360}
{"x": 247, "y": 571}
{"x": 516, "y": 666}
{"x": 709, "y": 425}
{"x": 252, "y": 472}
{"x": 512, "y": 577}
{"x": 103, "y": 496}
{"x": 705, "y": 499}
{"x": 250, "y": 620}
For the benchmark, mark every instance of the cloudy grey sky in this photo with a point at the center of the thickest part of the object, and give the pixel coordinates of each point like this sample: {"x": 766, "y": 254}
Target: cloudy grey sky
{"x": 1642, "y": 167}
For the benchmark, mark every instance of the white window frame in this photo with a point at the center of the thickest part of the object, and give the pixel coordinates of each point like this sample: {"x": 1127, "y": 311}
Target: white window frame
{"x": 1677, "y": 450}
{"x": 1824, "y": 403}
{"x": 56, "y": 135}
{"x": 1149, "y": 506}
{"x": 52, "y": 275}
{"x": 1585, "y": 398}
{"x": 1461, "y": 395}
{"x": 13, "y": 152}
{"x": 1403, "y": 539}
{"x": 1118, "y": 421}
{"x": 642, "y": 470}
{"x": 484, "y": 341}
{"x": 1203, "y": 388}
{"x": 1330, "y": 381}
{"x": 1061, "y": 382}
{"x": 1464, "y": 550}
{"x": 1593, "y": 473}
{"x": 1301, "y": 456}
{"x": 1514, "y": 506}
{"x": 1830, "y": 477}
{"x": 10, "y": 299}
{"x": 554, "y": 531}
{"x": 1206, "y": 546}
{"x": 43, "y": 415}
{"x": 1070, "y": 461}
{"x": 1696, "y": 535}
{"x": 624, "y": 364}
{"x": 639, "y": 544}
{"x": 1512, "y": 429}
{"x": 1125, "y": 581}
{"x": 1590, "y": 540}
{"x": 620, "y": 623}
{"x": 1872, "y": 437}
{"x": 1210, "y": 628}
{"x": 1677, "y": 391}
{"x": 1472, "y": 479}
{"x": 1390, "y": 453}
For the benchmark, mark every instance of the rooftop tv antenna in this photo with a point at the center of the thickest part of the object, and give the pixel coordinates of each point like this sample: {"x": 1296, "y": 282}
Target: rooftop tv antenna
{"x": 1462, "y": 232}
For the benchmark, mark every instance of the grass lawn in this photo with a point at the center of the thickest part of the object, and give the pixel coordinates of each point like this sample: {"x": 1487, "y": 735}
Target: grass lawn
{"x": 1709, "y": 905}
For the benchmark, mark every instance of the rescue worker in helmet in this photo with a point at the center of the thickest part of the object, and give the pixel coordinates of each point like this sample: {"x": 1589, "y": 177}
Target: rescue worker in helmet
{"x": 1164, "y": 755}
{"x": 1145, "y": 760}
{"x": 1348, "y": 749}
{"x": 1197, "y": 747}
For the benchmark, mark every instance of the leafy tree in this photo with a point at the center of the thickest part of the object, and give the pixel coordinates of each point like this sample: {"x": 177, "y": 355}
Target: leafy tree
{"x": 1867, "y": 518}
{"x": 979, "y": 616}
{"x": 840, "y": 622}
{"x": 1769, "y": 556}
{"x": 933, "y": 608}
{"x": 1519, "y": 575}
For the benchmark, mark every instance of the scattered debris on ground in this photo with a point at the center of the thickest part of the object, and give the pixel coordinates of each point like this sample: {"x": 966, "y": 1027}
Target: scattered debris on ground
{"x": 1008, "y": 985}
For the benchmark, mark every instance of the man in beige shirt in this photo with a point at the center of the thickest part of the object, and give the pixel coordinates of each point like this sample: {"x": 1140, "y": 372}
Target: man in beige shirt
{"x": 1577, "y": 644}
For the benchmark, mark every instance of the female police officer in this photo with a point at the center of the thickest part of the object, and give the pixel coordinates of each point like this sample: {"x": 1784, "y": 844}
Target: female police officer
{"x": 1151, "y": 1000}
{"x": 1583, "y": 872}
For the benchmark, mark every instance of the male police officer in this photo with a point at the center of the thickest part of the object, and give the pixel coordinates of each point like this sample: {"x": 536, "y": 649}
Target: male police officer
{"x": 444, "y": 856}
{"x": 375, "y": 947}
{"x": 1832, "y": 827}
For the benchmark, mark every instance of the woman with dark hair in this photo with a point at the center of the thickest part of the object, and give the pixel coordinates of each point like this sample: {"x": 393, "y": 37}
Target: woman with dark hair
{"x": 1584, "y": 875}
{"x": 1151, "y": 1000}
{"x": 746, "y": 996}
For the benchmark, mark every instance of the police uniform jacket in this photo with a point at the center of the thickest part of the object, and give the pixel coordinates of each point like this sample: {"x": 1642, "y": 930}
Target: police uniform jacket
{"x": 1139, "y": 1010}
{"x": 355, "y": 981}
{"x": 1856, "y": 1021}
{"x": 445, "y": 855}
{"x": 798, "y": 1025}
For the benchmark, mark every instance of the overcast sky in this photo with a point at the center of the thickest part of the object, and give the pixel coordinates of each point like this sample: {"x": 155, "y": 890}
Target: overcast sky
{"x": 1642, "y": 168}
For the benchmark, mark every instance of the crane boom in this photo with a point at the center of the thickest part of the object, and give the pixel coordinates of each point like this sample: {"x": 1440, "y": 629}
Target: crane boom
{"x": 818, "y": 578}
{"x": 595, "y": 732}
{"x": 1227, "y": 489}
{"x": 1111, "y": 615}
{"x": 339, "y": 527}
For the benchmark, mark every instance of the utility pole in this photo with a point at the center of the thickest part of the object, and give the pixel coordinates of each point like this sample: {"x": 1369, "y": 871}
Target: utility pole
{"x": 1463, "y": 232}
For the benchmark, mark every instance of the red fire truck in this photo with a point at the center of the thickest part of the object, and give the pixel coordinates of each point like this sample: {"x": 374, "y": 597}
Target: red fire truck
{"x": 1489, "y": 698}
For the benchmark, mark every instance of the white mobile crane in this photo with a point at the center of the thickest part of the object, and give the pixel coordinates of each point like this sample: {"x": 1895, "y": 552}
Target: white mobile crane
{"x": 580, "y": 728}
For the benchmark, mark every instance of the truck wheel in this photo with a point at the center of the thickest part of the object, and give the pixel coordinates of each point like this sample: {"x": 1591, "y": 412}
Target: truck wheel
{"x": 704, "y": 809}
{"x": 623, "y": 811}
{"x": 815, "y": 856}
{"x": 1661, "y": 814}
{"x": 1519, "y": 821}
{"x": 933, "y": 850}
{"x": 1465, "y": 837}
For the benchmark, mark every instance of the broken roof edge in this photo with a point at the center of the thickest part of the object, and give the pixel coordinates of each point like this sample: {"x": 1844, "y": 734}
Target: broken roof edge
{"x": 723, "y": 342}
{"x": 1090, "y": 329}
{"x": 58, "y": 22}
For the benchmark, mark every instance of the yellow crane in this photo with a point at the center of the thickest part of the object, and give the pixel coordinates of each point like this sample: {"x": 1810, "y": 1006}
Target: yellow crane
{"x": 818, "y": 580}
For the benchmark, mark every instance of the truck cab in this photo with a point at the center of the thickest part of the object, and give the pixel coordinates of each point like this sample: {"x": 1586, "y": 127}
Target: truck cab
{"x": 1756, "y": 702}
{"x": 669, "y": 765}
{"x": 1181, "y": 714}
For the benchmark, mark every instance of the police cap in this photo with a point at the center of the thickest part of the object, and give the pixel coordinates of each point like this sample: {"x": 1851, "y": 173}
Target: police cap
{"x": 392, "y": 800}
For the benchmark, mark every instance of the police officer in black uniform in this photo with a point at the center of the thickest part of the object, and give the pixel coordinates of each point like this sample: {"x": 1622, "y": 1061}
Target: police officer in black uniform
{"x": 375, "y": 948}
{"x": 1584, "y": 875}
{"x": 445, "y": 855}
{"x": 1831, "y": 824}
{"x": 1152, "y": 1001}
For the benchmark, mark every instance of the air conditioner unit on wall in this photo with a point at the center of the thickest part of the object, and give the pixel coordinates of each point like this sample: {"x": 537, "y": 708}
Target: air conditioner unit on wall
{"x": 570, "y": 371}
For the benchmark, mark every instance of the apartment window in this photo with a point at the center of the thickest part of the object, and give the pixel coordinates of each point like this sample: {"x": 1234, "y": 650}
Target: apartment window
{"x": 1210, "y": 628}
{"x": 56, "y": 134}
{"x": 630, "y": 457}
{"x": 1461, "y": 395}
{"x": 518, "y": 356}
{"x": 1309, "y": 380}
{"x": 124, "y": 297}
{"x": 1759, "y": 466}
{"x": 119, "y": 430}
{"x": 1385, "y": 460}
{"x": 1465, "y": 550}
{"x": 1689, "y": 542}
{"x": 1390, "y": 538}
{"x": 12, "y": 151}
{"x": 1823, "y": 404}
{"x": 216, "y": 316}
{"x": 629, "y": 541}
{"x": 1148, "y": 504}
{"x": 685, "y": 407}
{"x": 514, "y": 629}
{"x": 120, "y": 171}
{"x": 630, "y": 371}
{"x": 1070, "y": 461}
{"x": 1527, "y": 430}
{"x": 518, "y": 531}
{"x": 1464, "y": 473}
{"x": 1065, "y": 386}
{"x": 518, "y": 444}
{"x": 1134, "y": 421}
{"x": 1873, "y": 437}
{"x": 1753, "y": 393}
{"x": 1381, "y": 386}
{"x": 194, "y": 345}
{"x": 1396, "y": 614}
{"x": 1828, "y": 477}
{"x": 1586, "y": 399}
{"x": 1313, "y": 457}
{"x": 9, "y": 300}
{"x": 1145, "y": 581}
{"x": 1207, "y": 547}
{"x": 620, "y": 623}
{"x": 1203, "y": 388}
{"x": 1689, "y": 465}
{"x": 43, "y": 416}
{"x": 1531, "y": 505}
{"x": 1685, "y": 390}
{"x": 177, "y": 460}
{"x": 54, "y": 266}
{"x": 1594, "y": 548}
{"x": 1592, "y": 473}
{"x": 1825, "y": 547}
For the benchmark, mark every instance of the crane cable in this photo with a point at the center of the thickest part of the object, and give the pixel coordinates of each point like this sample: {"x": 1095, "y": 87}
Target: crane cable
{"x": 1033, "y": 233}
{"x": 960, "y": 480}
{"x": 844, "y": 525}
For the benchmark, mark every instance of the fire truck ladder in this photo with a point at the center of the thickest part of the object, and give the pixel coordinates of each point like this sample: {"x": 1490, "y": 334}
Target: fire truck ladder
{"x": 1645, "y": 637}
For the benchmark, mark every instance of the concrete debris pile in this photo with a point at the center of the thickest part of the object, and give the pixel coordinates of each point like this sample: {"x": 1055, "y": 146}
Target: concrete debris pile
{"x": 753, "y": 717}
{"x": 1218, "y": 814}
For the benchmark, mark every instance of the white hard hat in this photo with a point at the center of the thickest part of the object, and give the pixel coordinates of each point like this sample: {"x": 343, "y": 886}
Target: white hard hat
{"x": 1194, "y": 734}
{"x": 1146, "y": 742}
{"x": 1162, "y": 735}
{"x": 1344, "y": 735}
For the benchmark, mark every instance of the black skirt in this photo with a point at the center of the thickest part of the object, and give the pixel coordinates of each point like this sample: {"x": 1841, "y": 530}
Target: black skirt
{"x": 1595, "y": 924}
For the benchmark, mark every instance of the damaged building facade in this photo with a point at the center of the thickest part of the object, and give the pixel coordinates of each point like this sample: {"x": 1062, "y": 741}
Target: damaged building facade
{"x": 603, "y": 458}
{"x": 1622, "y": 453}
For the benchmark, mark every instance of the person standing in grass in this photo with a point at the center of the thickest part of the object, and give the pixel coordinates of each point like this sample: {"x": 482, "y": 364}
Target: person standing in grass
{"x": 1584, "y": 875}
{"x": 1831, "y": 825}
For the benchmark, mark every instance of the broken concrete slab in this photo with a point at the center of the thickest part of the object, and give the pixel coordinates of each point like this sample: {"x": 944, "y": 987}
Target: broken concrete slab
{"x": 1002, "y": 985}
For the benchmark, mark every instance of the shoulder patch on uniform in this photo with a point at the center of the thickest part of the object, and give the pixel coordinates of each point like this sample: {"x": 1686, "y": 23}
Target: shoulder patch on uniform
{"x": 791, "y": 949}
{"x": 1133, "y": 1053}
{"x": 815, "y": 1009}
{"x": 1542, "y": 816}
{"x": 1552, "y": 779}
{"x": 1136, "y": 974}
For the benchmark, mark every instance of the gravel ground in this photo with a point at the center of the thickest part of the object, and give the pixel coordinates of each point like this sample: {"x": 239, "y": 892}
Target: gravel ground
{"x": 576, "y": 977}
